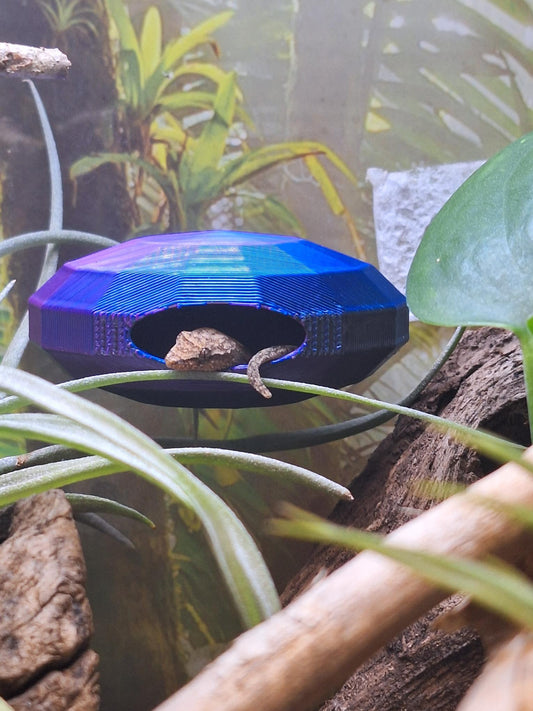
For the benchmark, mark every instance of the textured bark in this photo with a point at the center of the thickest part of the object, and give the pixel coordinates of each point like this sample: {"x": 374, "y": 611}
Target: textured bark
{"x": 482, "y": 386}
{"x": 45, "y": 617}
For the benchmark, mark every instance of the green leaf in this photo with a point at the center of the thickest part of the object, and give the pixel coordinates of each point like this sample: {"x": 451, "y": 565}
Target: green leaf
{"x": 126, "y": 31}
{"x": 91, "y": 428}
{"x": 54, "y": 168}
{"x": 19, "y": 342}
{"x": 496, "y": 448}
{"x": 7, "y": 288}
{"x": 518, "y": 9}
{"x": 265, "y": 213}
{"x": 497, "y": 586}
{"x": 131, "y": 76}
{"x": 473, "y": 266}
{"x": 180, "y": 102}
{"x": 261, "y": 159}
{"x": 86, "y": 503}
{"x": 204, "y": 70}
{"x": 89, "y": 163}
{"x": 80, "y": 469}
{"x": 36, "y": 239}
{"x": 175, "y": 51}
{"x": 199, "y": 176}
{"x": 150, "y": 44}
{"x": 329, "y": 191}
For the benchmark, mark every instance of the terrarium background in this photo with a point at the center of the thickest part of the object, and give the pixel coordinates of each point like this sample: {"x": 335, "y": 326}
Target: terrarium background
{"x": 389, "y": 84}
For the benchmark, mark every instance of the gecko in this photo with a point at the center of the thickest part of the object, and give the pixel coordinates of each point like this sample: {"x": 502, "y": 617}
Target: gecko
{"x": 207, "y": 349}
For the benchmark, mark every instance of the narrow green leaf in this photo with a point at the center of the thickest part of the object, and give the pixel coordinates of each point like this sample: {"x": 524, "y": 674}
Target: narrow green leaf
{"x": 329, "y": 191}
{"x": 37, "y": 239}
{"x": 205, "y": 70}
{"x": 176, "y": 51}
{"x": 199, "y": 176}
{"x": 94, "y": 429}
{"x": 73, "y": 470}
{"x": 89, "y": 163}
{"x": 126, "y": 31}
{"x": 86, "y": 503}
{"x": 7, "y": 288}
{"x": 265, "y": 213}
{"x": 54, "y": 167}
{"x": 259, "y": 160}
{"x": 498, "y": 587}
{"x": 187, "y": 101}
{"x": 132, "y": 80}
{"x": 150, "y": 44}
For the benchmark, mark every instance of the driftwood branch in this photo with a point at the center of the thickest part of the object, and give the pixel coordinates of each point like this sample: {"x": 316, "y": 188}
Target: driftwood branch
{"x": 302, "y": 654}
{"x": 23, "y": 62}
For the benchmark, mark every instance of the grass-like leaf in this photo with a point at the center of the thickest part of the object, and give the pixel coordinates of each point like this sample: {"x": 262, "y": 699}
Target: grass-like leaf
{"x": 35, "y": 478}
{"x": 87, "y": 503}
{"x": 494, "y": 585}
{"x": 43, "y": 237}
{"x": 7, "y": 288}
{"x": 91, "y": 428}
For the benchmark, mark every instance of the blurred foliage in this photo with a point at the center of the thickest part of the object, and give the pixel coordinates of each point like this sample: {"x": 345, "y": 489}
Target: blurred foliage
{"x": 187, "y": 135}
{"x": 68, "y": 19}
{"x": 443, "y": 83}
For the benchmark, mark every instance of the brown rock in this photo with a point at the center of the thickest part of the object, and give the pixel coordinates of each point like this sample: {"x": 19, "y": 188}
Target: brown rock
{"x": 45, "y": 617}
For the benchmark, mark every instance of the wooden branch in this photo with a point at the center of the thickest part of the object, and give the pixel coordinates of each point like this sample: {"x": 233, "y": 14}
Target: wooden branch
{"x": 298, "y": 657}
{"x": 506, "y": 682}
{"x": 23, "y": 62}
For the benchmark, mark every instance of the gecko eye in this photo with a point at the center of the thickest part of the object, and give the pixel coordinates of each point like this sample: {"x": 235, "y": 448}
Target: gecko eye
{"x": 204, "y": 354}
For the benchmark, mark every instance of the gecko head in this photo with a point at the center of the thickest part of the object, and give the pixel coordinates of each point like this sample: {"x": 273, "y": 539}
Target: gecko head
{"x": 203, "y": 333}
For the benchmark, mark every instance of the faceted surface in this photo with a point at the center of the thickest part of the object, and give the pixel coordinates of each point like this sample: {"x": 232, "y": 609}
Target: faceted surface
{"x": 121, "y": 308}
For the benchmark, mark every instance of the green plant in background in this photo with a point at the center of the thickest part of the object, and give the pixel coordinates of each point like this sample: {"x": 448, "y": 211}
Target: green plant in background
{"x": 151, "y": 75}
{"x": 443, "y": 86}
{"x": 201, "y": 172}
{"x": 90, "y": 428}
{"x": 69, "y": 16}
{"x": 185, "y": 119}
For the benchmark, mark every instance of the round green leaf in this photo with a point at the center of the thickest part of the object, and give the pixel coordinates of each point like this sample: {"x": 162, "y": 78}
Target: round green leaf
{"x": 473, "y": 267}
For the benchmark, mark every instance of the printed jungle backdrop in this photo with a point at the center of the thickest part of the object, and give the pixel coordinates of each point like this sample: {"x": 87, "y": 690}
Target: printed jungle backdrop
{"x": 249, "y": 115}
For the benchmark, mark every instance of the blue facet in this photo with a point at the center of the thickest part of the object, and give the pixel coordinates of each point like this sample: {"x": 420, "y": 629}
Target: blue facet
{"x": 121, "y": 308}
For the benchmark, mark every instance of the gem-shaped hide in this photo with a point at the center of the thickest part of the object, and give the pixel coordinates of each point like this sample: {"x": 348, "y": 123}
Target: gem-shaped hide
{"x": 121, "y": 309}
